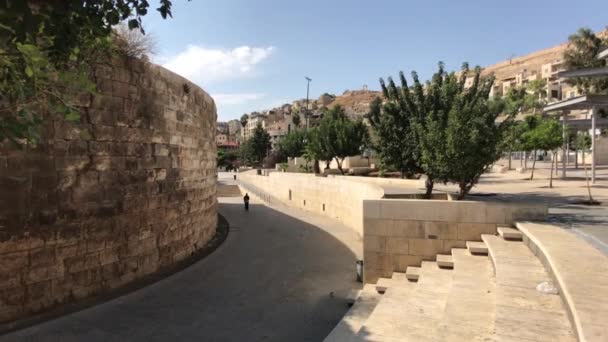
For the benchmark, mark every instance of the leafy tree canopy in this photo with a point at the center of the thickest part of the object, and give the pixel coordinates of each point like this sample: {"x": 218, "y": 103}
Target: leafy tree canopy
{"x": 46, "y": 52}
{"x": 339, "y": 137}
{"x": 442, "y": 128}
{"x": 293, "y": 144}
{"x": 256, "y": 147}
{"x": 584, "y": 48}
{"x": 244, "y": 120}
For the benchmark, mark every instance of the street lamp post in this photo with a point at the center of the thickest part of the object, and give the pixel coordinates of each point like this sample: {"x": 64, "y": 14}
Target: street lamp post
{"x": 307, "y": 92}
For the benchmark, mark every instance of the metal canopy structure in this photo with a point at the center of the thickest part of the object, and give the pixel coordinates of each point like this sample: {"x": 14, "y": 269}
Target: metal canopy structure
{"x": 591, "y": 102}
{"x": 589, "y": 73}
{"x": 578, "y": 103}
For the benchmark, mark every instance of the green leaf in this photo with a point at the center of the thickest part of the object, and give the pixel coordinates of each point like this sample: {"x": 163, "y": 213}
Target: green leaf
{"x": 72, "y": 116}
{"x": 29, "y": 72}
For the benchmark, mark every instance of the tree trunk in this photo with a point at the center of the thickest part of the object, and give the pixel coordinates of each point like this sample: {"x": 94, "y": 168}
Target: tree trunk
{"x": 588, "y": 186}
{"x": 526, "y": 160}
{"x": 575, "y": 157}
{"x": 510, "y": 156}
{"x": 463, "y": 191}
{"x": 429, "y": 187}
{"x": 533, "y": 165}
{"x": 339, "y": 165}
{"x": 315, "y": 167}
{"x": 553, "y": 157}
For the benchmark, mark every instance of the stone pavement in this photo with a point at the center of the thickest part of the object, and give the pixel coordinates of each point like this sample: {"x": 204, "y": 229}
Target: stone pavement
{"x": 277, "y": 277}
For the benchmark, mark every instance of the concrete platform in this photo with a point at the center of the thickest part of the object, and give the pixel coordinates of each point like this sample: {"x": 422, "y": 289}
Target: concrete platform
{"x": 581, "y": 273}
{"x": 523, "y": 312}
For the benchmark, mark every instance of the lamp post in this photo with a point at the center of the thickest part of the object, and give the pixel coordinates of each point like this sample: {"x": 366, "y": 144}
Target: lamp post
{"x": 308, "y": 79}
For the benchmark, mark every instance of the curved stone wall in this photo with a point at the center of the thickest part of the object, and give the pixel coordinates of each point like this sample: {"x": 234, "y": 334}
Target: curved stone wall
{"x": 125, "y": 192}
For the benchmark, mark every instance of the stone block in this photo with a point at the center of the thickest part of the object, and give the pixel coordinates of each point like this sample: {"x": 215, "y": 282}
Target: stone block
{"x": 472, "y": 212}
{"x": 379, "y": 261}
{"x": 425, "y": 247}
{"x": 473, "y": 231}
{"x": 402, "y": 262}
{"x": 496, "y": 213}
{"x": 42, "y": 256}
{"x": 371, "y": 209}
{"x": 71, "y": 163}
{"x": 449, "y": 244}
{"x": 377, "y": 227}
{"x": 440, "y": 230}
{"x": 374, "y": 243}
{"x": 397, "y": 245}
{"x": 13, "y": 262}
{"x": 409, "y": 229}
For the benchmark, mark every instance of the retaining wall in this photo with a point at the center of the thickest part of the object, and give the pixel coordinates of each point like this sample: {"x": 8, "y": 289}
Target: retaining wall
{"x": 128, "y": 190}
{"x": 396, "y": 233}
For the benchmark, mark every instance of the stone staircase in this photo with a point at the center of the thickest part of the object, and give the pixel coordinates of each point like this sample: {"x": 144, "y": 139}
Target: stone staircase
{"x": 486, "y": 292}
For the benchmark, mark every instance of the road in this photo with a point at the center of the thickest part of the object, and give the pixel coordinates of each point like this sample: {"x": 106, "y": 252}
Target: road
{"x": 279, "y": 276}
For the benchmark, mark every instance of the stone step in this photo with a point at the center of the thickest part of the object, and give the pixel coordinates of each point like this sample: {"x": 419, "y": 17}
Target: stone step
{"x": 383, "y": 284}
{"x": 352, "y": 296}
{"x": 412, "y": 273}
{"x": 408, "y": 311}
{"x": 509, "y": 233}
{"x": 352, "y": 321}
{"x": 476, "y": 247}
{"x": 470, "y": 309}
{"x": 445, "y": 261}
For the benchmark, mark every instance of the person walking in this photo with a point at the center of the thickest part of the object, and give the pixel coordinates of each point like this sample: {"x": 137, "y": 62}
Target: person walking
{"x": 246, "y": 200}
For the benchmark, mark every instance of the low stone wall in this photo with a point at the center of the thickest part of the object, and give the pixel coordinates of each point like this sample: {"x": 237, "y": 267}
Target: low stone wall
{"x": 125, "y": 192}
{"x": 338, "y": 198}
{"x": 398, "y": 233}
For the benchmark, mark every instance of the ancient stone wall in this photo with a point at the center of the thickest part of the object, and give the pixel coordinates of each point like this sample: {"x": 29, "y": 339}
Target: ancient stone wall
{"x": 125, "y": 192}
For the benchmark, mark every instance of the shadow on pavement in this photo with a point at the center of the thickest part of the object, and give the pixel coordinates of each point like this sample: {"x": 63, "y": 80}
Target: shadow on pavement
{"x": 276, "y": 278}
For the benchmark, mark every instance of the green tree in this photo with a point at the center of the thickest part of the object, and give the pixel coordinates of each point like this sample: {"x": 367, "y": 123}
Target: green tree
{"x": 583, "y": 142}
{"x": 256, "y": 147}
{"x": 510, "y": 140}
{"x": 244, "y": 120}
{"x": 545, "y": 135}
{"x": 582, "y": 53}
{"x": 521, "y": 100}
{"x": 293, "y": 144}
{"x": 536, "y": 93}
{"x": 296, "y": 120}
{"x": 226, "y": 159}
{"x": 47, "y": 49}
{"x": 395, "y": 139}
{"x": 340, "y": 136}
{"x": 317, "y": 149}
{"x": 450, "y": 129}
{"x": 472, "y": 135}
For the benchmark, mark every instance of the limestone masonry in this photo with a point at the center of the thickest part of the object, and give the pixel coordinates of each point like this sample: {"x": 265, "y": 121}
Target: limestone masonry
{"x": 128, "y": 190}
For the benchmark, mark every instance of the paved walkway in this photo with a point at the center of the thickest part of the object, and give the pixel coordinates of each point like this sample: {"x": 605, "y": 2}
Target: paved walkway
{"x": 270, "y": 281}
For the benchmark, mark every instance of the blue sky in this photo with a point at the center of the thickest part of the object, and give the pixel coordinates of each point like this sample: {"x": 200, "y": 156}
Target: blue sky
{"x": 253, "y": 54}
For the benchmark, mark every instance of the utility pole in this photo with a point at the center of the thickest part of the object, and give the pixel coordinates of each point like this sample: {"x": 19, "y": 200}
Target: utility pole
{"x": 307, "y": 92}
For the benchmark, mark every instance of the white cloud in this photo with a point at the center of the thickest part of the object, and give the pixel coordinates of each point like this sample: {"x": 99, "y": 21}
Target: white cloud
{"x": 236, "y": 98}
{"x": 204, "y": 65}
